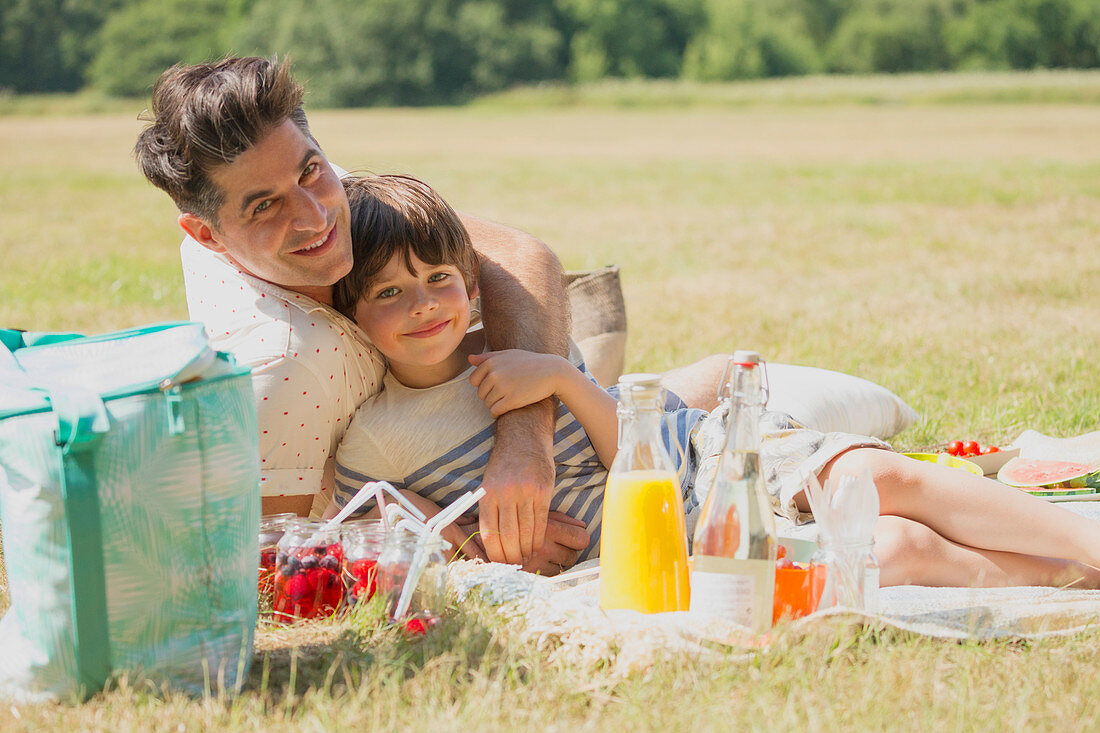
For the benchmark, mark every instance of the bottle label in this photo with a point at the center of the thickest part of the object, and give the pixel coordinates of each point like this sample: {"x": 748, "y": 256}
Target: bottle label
{"x": 740, "y": 591}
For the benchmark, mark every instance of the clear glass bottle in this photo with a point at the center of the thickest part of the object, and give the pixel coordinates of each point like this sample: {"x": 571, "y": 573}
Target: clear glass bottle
{"x": 308, "y": 566}
{"x": 272, "y": 528}
{"x": 643, "y": 544}
{"x": 394, "y": 564}
{"x": 363, "y": 542}
{"x": 733, "y": 569}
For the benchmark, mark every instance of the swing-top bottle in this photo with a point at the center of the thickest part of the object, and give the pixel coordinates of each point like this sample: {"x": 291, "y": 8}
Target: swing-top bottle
{"x": 733, "y": 568}
{"x": 643, "y": 543}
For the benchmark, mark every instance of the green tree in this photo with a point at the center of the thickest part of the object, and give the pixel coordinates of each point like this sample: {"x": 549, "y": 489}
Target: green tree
{"x": 744, "y": 39}
{"x": 46, "y": 45}
{"x": 628, "y": 38}
{"x": 1070, "y": 31}
{"x": 1024, "y": 34}
{"x": 892, "y": 36}
{"x": 506, "y": 48}
{"x": 406, "y": 51}
{"x": 994, "y": 35}
{"x": 140, "y": 41}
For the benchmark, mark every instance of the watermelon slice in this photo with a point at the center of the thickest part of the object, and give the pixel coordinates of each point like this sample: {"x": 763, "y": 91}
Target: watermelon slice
{"x": 1027, "y": 472}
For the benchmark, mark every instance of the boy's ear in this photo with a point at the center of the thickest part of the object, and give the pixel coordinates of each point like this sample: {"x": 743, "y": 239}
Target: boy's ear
{"x": 200, "y": 231}
{"x": 475, "y": 292}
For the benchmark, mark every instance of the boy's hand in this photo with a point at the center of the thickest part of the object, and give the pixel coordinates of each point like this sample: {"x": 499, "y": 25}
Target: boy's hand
{"x": 461, "y": 533}
{"x": 510, "y": 379}
{"x": 464, "y": 539}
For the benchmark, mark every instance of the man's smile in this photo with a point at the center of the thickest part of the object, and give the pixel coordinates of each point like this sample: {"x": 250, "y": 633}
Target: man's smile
{"x": 319, "y": 246}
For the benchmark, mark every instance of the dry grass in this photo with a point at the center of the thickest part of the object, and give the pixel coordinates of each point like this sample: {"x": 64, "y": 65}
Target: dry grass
{"x": 947, "y": 251}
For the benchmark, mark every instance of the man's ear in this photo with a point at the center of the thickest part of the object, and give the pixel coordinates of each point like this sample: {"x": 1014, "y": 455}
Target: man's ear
{"x": 200, "y": 231}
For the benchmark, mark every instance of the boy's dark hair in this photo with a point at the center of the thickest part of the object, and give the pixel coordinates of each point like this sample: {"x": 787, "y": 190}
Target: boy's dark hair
{"x": 400, "y": 214}
{"x": 204, "y": 116}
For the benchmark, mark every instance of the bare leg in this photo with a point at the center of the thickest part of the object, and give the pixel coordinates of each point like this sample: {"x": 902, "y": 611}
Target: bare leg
{"x": 971, "y": 510}
{"x": 911, "y": 553}
{"x": 698, "y": 384}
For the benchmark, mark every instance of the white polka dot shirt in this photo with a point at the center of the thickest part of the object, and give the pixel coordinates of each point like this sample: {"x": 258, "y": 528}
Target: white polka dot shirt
{"x": 311, "y": 366}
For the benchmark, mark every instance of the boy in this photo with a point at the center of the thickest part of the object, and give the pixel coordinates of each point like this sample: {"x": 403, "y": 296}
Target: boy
{"x": 427, "y": 432}
{"x": 430, "y": 430}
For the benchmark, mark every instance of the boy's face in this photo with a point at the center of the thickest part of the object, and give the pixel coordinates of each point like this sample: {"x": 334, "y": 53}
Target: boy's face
{"x": 285, "y": 218}
{"x": 416, "y": 319}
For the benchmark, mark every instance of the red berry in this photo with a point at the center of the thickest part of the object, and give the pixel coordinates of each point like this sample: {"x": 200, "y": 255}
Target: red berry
{"x": 336, "y": 549}
{"x": 780, "y": 552}
{"x": 297, "y": 587}
{"x": 415, "y": 626}
{"x": 361, "y": 568}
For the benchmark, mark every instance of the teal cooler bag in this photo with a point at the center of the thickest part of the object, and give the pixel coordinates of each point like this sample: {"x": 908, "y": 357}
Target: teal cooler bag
{"x": 129, "y": 504}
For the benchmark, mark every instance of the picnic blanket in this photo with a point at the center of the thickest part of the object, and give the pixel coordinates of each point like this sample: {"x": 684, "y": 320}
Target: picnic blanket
{"x": 566, "y": 619}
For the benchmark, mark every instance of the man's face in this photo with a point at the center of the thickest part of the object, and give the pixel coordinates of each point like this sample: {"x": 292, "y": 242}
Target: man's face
{"x": 285, "y": 218}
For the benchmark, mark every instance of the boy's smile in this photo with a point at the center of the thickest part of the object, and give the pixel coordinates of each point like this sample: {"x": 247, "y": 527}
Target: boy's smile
{"x": 417, "y": 319}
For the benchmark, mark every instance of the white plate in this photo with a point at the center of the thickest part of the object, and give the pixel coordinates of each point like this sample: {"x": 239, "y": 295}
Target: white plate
{"x": 1095, "y": 496}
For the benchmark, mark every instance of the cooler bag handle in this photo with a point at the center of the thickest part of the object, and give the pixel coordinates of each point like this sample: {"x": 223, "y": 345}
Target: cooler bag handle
{"x": 87, "y": 577}
{"x": 81, "y": 417}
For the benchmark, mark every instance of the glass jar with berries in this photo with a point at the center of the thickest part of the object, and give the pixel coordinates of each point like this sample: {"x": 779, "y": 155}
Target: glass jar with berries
{"x": 308, "y": 567}
{"x": 272, "y": 529}
{"x": 406, "y": 554}
{"x": 363, "y": 541}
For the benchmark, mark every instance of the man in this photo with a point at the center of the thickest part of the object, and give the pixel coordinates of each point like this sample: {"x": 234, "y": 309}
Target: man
{"x": 268, "y": 236}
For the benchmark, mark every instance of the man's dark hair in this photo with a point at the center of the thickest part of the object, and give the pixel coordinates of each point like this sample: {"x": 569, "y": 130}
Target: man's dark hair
{"x": 400, "y": 215}
{"x": 204, "y": 116}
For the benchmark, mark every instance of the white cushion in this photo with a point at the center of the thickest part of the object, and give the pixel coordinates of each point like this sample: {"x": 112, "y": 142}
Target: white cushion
{"x": 834, "y": 402}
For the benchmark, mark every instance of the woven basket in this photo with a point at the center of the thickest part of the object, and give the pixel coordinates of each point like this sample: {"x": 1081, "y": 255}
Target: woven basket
{"x": 598, "y": 314}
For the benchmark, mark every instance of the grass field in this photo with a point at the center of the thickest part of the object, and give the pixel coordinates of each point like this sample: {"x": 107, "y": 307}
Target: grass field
{"x": 945, "y": 249}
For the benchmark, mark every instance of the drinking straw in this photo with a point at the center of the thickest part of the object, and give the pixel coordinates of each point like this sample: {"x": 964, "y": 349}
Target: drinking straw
{"x": 377, "y": 489}
{"x": 819, "y": 504}
{"x": 393, "y": 510}
{"x": 381, "y": 499}
{"x": 455, "y": 510}
{"x": 360, "y": 498}
{"x": 420, "y": 554}
{"x": 400, "y": 498}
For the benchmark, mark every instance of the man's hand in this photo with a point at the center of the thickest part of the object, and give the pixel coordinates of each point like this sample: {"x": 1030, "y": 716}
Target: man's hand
{"x": 519, "y": 481}
{"x": 566, "y": 538}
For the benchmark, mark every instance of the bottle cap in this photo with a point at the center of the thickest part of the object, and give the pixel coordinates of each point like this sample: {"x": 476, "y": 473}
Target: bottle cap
{"x": 746, "y": 358}
{"x": 639, "y": 381}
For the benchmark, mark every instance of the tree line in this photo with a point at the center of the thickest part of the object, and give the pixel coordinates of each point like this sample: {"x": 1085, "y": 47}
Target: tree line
{"x": 411, "y": 52}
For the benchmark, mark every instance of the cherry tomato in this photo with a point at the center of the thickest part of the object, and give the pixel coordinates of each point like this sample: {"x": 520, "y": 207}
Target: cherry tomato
{"x": 955, "y": 447}
{"x": 780, "y": 552}
{"x": 993, "y": 449}
{"x": 970, "y": 448}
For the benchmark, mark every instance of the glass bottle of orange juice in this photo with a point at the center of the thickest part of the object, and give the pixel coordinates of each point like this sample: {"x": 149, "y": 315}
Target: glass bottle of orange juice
{"x": 643, "y": 544}
{"x": 733, "y": 568}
